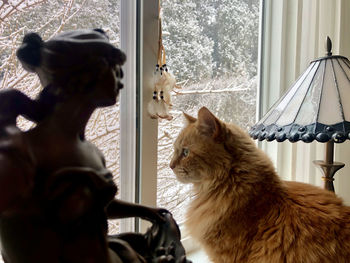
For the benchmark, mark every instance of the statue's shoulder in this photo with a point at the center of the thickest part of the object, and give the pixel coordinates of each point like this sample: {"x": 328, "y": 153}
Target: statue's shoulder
{"x": 15, "y": 151}
{"x": 17, "y": 167}
{"x": 12, "y": 139}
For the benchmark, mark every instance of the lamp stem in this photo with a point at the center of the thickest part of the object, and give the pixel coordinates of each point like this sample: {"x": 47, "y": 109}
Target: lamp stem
{"x": 328, "y": 167}
{"x": 329, "y": 153}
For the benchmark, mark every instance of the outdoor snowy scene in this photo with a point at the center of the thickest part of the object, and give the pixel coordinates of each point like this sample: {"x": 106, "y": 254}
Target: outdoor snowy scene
{"x": 211, "y": 49}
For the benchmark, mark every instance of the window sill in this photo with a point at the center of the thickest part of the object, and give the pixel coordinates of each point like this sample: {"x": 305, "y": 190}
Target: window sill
{"x": 193, "y": 250}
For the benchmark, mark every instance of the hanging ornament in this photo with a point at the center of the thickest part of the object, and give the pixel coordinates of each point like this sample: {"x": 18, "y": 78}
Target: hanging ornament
{"x": 164, "y": 83}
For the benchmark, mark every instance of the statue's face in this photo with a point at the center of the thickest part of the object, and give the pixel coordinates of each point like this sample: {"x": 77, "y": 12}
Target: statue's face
{"x": 107, "y": 89}
{"x": 75, "y": 60}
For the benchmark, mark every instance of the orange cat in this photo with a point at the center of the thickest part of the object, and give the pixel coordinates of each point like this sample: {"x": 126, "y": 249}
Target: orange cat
{"x": 243, "y": 212}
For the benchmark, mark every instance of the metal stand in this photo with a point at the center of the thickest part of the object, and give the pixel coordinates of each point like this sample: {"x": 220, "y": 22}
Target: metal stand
{"x": 328, "y": 167}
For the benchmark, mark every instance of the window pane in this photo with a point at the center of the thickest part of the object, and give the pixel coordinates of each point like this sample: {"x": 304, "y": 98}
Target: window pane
{"x": 212, "y": 49}
{"x": 49, "y": 18}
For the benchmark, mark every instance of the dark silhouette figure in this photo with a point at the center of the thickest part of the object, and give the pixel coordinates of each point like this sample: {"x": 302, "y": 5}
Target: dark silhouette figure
{"x": 56, "y": 194}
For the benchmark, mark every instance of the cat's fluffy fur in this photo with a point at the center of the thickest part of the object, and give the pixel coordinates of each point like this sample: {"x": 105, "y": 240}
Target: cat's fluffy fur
{"x": 243, "y": 212}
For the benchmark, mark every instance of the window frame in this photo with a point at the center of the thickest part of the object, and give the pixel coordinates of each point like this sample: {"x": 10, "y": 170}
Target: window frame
{"x": 147, "y": 164}
{"x": 291, "y": 35}
{"x": 138, "y": 147}
{"x": 128, "y": 107}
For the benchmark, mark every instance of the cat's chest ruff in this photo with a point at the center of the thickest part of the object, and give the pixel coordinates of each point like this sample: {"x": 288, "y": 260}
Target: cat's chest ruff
{"x": 206, "y": 217}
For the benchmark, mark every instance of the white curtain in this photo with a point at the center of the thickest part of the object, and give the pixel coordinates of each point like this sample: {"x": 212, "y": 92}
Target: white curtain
{"x": 294, "y": 34}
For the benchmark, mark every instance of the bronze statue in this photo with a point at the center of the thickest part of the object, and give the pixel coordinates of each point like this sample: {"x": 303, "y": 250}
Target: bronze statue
{"x": 55, "y": 191}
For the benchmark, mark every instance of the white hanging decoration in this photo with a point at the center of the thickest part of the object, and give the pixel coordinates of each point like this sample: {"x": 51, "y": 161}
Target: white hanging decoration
{"x": 164, "y": 83}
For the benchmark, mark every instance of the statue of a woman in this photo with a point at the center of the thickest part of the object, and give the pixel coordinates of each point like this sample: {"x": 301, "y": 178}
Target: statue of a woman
{"x": 55, "y": 191}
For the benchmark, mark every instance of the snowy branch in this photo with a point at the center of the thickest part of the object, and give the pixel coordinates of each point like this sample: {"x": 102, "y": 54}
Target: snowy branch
{"x": 209, "y": 91}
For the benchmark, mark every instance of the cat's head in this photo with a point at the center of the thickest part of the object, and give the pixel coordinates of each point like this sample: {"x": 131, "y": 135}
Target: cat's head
{"x": 204, "y": 150}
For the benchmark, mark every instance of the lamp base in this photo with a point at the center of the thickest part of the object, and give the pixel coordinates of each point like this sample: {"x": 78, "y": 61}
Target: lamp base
{"x": 328, "y": 170}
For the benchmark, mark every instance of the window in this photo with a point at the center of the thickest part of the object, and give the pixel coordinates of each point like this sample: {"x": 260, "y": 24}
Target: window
{"x": 212, "y": 49}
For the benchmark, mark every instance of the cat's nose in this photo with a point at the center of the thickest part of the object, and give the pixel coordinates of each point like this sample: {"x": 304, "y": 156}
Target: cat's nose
{"x": 172, "y": 164}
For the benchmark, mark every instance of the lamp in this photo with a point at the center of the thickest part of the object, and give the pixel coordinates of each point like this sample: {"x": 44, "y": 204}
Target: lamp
{"x": 316, "y": 107}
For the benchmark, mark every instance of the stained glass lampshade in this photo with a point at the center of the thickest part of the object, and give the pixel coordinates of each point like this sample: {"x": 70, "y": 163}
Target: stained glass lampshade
{"x": 316, "y": 107}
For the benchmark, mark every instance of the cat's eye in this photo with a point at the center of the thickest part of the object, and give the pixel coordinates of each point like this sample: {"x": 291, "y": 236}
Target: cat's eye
{"x": 185, "y": 152}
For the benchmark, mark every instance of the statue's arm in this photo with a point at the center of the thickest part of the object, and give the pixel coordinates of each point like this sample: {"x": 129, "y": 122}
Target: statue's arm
{"x": 102, "y": 180}
{"x": 120, "y": 209}
{"x": 14, "y": 103}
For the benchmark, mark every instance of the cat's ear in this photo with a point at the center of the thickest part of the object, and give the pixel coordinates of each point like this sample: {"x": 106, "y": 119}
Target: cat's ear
{"x": 189, "y": 118}
{"x": 208, "y": 124}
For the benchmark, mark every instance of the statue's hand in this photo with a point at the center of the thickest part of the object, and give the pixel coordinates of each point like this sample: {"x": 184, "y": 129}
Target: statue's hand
{"x": 161, "y": 242}
{"x": 164, "y": 239}
{"x": 155, "y": 215}
{"x": 167, "y": 255}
